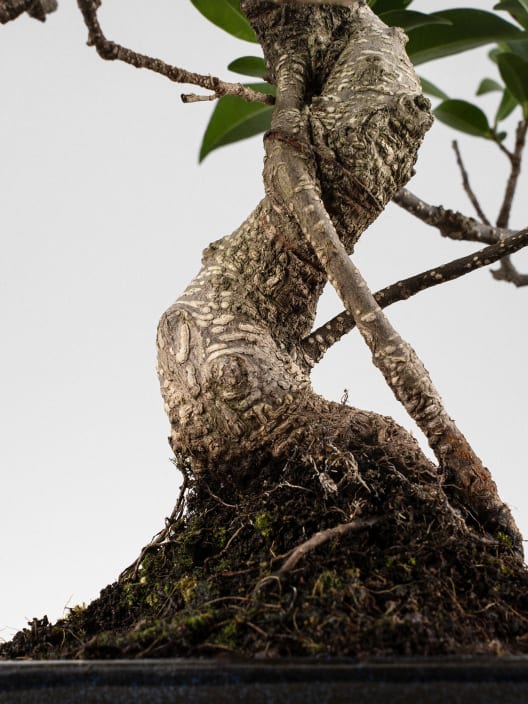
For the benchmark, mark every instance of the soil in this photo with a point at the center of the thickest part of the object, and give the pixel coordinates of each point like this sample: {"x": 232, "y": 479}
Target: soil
{"x": 405, "y": 574}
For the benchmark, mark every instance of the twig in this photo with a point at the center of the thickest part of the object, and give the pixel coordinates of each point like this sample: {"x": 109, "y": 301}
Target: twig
{"x": 226, "y": 546}
{"x": 467, "y": 186}
{"x": 321, "y": 537}
{"x": 319, "y": 341}
{"x": 450, "y": 223}
{"x": 511, "y": 185}
{"x": 111, "y": 51}
{"x": 193, "y": 98}
{"x": 11, "y": 9}
{"x": 507, "y": 271}
{"x": 318, "y": 539}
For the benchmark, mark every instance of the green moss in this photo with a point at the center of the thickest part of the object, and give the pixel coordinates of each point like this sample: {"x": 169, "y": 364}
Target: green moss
{"x": 263, "y": 522}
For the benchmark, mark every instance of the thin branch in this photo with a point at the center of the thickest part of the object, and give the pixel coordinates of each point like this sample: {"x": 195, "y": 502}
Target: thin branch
{"x": 511, "y": 186}
{"x": 467, "y": 186}
{"x": 11, "y": 9}
{"x": 115, "y": 52}
{"x": 319, "y": 341}
{"x": 507, "y": 271}
{"x": 451, "y": 224}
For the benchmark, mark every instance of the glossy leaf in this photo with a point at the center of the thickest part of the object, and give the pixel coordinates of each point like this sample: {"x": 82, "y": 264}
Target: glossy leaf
{"x": 463, "y": 116}
{"x": 469, "y": 29}
{"x": 430, "y": 89}
{"x": 518, "y": 9}
{"x": 227, "y": 15}
{"x": 249, "y": 66}
{"x": 234, "y": 119}
{"x": 506, "y": 107}
{"x": 514, "y": 72}
{"x": 409, "y": 19}
{"x": 488, "y": 85}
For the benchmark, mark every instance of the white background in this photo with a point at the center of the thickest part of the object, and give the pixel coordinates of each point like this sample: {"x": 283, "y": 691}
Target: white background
{"x": 104, "y": 212}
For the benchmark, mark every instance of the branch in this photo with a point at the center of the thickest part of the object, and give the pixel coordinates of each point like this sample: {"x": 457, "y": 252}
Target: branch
{"x": 115, "y": 52}
{"x": 507, "y": 271}
{"x": 511, "y": 186}
{"x": 467, "y": 186}
{"x": 320, "y": 340}
{"x": 11, "y": 9}
{"x": 450, "y": 223}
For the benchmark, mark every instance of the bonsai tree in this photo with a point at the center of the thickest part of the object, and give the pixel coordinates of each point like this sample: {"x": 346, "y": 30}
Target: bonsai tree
{"x": 419, "y": 557}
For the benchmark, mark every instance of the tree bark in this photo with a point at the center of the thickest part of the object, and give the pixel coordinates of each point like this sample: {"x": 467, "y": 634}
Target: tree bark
{"x": 234, "y": 373}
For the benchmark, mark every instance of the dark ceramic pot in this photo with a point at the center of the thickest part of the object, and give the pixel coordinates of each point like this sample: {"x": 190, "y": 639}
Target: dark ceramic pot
{"x": 424, "y": 681}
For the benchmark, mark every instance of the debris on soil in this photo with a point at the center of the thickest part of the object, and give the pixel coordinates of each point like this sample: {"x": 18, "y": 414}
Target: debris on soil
{"x": 305, "y": 559}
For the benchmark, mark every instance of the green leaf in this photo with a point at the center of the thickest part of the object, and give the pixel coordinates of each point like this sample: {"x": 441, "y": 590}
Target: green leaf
{"x": 493, "y": 53}
{"x": 465, "y": 117}
{"x": 520, "y": 48}
{"x": 506, "y": 107}
{"x": 380, "y": 6}
{"x": 249, "y": 66}
{"x": 469, "y": 29}
{"x": 430, "y": 89}
{"x": 516, "y": 8}
{"x": 409, "y": 19}
{"x": 227, "y": 15}
{"x": 488, "y": 85}
{"x": 234, "y": 119}
{"x": 514, "y": 72}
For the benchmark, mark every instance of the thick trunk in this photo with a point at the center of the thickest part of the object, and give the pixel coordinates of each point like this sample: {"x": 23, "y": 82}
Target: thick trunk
{"x": 234, "y": 372}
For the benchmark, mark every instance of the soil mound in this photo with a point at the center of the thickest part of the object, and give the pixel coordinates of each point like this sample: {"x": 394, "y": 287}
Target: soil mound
{"x": 336, "y": 558}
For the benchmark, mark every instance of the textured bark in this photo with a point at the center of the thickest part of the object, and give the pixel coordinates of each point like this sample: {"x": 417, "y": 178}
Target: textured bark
{"x": 11, "y": 9}
{"x": 234, "y": 373}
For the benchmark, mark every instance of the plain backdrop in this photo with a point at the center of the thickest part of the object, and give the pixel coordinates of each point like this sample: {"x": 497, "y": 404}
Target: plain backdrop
{"x": 104, "y": 212}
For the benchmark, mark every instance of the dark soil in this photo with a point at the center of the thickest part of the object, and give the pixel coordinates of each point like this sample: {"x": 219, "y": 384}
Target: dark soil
{"x": 409, "y": 578}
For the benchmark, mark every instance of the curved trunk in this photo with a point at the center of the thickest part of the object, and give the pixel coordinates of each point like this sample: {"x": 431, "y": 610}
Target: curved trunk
{"x": 234, "y": 372}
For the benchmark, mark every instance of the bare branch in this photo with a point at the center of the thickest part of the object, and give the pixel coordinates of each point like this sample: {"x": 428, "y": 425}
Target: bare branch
{"x": 115, "y": 52}
{"x": 319, "y": 341}
{"x": 511, "y": 186}
{"x": 467, "y": 186}
{"x": 11, "y": 9}
{"x": 450, "y": 223}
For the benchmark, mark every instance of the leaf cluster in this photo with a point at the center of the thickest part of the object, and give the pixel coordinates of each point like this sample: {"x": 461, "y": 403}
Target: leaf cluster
{"x": 432, "y": 36}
